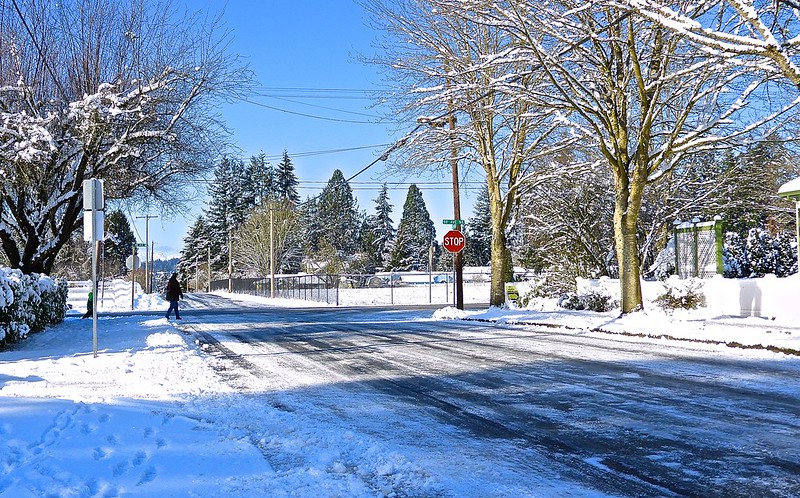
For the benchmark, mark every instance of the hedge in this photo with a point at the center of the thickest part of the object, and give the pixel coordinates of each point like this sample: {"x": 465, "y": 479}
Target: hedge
{"x": 29, "y": 303}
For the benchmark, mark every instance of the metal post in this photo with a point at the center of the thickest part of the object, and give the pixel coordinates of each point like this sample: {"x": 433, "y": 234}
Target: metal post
{"x": 152, "y": 268}
{"x": 95, "y": 251}
{"x": 209, "y": 268}
{"x": 271, "y": 255}
{"x": 797, "y": 230}
{"x": 230, "y": 261}
{"x": 147, "y": 262}
{"x": 430, "y": 274}
{"x": 133, "y": 274}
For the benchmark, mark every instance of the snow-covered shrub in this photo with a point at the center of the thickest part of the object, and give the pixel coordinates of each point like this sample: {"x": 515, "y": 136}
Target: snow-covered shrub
{"x": 760, "y": 253}
{"x": 734, "y": 257}
{"x": 664, "y": 265}
{"x": 591, "y": 300}
{"x": 29, "y": 303}
{"x": 681, "y": 294}
{"x": 545, "y": 285}
{"x": 570, "y": 301}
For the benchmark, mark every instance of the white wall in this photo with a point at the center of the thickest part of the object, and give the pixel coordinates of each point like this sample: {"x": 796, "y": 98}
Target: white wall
{"x": 767, "y": 297}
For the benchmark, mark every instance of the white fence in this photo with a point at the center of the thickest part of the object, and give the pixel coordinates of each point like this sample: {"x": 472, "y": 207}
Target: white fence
{"x": 769, "y": 296}
{"x": 114, "y": 294}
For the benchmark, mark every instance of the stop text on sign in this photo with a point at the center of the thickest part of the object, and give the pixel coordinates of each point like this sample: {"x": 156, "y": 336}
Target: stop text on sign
{"x": 454, "y": 241}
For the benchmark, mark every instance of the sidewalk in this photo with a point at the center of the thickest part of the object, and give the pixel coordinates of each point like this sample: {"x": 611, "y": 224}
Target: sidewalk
{"x": 682, "y": 325}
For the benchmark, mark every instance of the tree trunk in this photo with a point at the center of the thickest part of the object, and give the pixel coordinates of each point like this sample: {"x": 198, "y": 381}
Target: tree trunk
{"x": 628, "y": 259}
{"x": 626, "y": 215}
{"x": 502, "y": 270}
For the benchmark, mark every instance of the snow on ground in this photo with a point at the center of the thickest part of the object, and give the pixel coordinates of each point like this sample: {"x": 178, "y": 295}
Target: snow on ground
{"x": 150, "y": 417}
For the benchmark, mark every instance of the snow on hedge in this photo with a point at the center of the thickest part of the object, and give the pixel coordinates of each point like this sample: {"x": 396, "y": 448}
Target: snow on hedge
{"x": 29, "y": 303}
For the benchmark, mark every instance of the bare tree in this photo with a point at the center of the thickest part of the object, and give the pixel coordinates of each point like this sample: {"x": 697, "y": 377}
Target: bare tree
{"x": 449, "y": 76}
{"x": 256, "y": 240}
{"x": 646, "y": 97}
{"x": 757, "y": 34}
{"x": 121, "y": 90}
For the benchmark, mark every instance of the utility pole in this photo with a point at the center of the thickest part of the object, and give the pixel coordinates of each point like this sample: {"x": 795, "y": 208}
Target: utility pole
{"x": 147, "y": 262}
{"x": 458, "y": 258}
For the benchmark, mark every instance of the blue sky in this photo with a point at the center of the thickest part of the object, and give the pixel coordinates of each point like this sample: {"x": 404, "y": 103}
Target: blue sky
{"x": 313, "y": 45}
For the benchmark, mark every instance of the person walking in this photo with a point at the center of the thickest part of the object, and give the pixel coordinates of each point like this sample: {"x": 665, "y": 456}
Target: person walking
{"x": 89, "y": 305}
{"x": 174, "y": 294}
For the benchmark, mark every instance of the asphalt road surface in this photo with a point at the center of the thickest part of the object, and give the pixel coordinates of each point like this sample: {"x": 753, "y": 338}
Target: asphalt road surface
{"x": 620, "y": 417}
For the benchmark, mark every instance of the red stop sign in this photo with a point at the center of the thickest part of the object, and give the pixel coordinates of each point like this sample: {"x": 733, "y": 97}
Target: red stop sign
{"x": 454, "y": 241}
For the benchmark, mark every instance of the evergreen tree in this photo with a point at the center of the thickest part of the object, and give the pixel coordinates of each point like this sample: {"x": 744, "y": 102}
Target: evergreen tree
{"x": 232, "y": 199}
{"x": 262, "y": 179}
{"x": 312, "y": 224}
{"x": 378, "y": 233}
{"x": 195, "y": 249}
{"x": 415, "y": 234}
{"x": 337, "y": 214}
{"x": 479, "y": 232}
{"x": 758, "y": 254}
{"x": 286, "y": 181}
{"x": 118, "y": 243}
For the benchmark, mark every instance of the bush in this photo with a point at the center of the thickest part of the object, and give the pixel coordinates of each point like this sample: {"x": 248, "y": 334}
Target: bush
{"x": 592, "y": 301}
{"x": 546, "y": 285}
{"x": 758, "y": 254}
{"x": 29, "y": 303}
{"x": 681, "y": 294}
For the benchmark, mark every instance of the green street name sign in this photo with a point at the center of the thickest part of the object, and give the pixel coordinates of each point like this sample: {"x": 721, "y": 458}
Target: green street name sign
{"x": 453, "y": 222}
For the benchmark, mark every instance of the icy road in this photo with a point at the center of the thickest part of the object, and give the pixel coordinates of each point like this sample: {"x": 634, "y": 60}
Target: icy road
{"x": 516, "y": 409}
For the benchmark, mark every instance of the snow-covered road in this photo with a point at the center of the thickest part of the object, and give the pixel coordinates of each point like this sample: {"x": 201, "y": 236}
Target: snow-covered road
{"x": 514, "y": 410}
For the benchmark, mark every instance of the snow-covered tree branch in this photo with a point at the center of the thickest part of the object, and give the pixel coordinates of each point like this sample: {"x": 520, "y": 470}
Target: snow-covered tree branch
{"x": 122, "y": 91}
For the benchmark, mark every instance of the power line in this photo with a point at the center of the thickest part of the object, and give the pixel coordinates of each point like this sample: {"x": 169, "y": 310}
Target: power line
{"x": 305, "y": 115}
{"x": 321, "y": 106}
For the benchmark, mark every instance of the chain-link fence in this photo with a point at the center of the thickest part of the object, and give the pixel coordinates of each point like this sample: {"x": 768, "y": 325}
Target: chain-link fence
{"x": 698, "y": 249}
{"x": 359, "y": 289}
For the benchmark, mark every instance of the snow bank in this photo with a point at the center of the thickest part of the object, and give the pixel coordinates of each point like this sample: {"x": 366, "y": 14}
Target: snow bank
{"x": 768, "y": 297}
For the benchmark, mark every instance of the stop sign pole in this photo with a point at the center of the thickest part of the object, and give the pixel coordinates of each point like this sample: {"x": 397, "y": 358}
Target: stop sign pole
{"x": 454, "y": 242}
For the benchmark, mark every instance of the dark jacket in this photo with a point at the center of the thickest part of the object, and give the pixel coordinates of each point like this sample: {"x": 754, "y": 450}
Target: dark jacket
{"x": 174, "y": 291}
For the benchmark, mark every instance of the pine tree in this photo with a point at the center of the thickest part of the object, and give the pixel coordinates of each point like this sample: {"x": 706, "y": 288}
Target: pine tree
{"x": 286, "y": 181}
{"x": 337, "y": 215}
{"x": 479, "y": 232}
{"x": 232, "y": 200}
{"x": 378, "y": 233}
{"x": 118, "y": 243}
{"x": 415, "y": 234}
{"x": 195, "y": 248}
{"x": 262, "y": 179}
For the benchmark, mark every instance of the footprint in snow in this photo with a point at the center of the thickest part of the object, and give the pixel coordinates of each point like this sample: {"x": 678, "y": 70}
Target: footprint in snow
{"x": 139, "y": 459}
{"x": 149, "y": 475}
{"x": 120, "y": 469}
{"x": 100, "y": 453}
